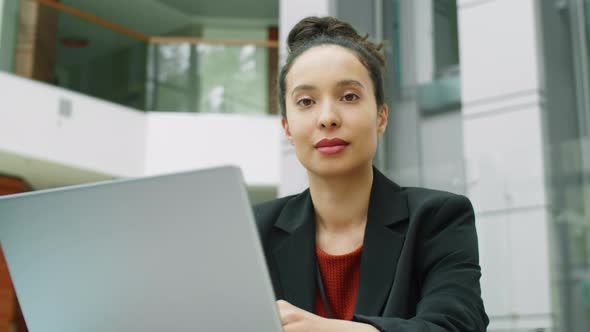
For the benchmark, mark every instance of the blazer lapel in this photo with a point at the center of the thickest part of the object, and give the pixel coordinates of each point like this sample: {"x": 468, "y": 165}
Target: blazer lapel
{"x": 295, "y": 255}
{"x": 382, "y": 246}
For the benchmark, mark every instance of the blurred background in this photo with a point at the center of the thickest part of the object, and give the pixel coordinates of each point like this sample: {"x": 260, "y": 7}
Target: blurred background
{"x": 488, "y": 98}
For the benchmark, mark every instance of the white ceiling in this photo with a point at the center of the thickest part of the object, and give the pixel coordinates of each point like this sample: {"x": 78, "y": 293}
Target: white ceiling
{"x": 154, "y": 17}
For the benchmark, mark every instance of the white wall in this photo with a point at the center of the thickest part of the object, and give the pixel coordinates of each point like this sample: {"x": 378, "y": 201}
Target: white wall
{"x": 104, "y": 140}
{"x": 95, "y": 135}
{"x": 180, "y": 141}
{"x": 441, "y": 152}
{"x": 503, "y": 149}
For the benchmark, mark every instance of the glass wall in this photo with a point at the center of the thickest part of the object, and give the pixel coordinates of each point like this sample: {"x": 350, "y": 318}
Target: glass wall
{"x": 9, "y": 10}
{"x": 568, "y": 150}
{"x": 423, "y": 143}
{"x": 211, "y": 78}
{"x": 425, "y": 149}
{"x": 183, "y": 73}
{"x": 100, "y": 63}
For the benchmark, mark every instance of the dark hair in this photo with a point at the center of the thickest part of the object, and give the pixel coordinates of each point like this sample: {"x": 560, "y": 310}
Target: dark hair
{"x": 315, "y": 31}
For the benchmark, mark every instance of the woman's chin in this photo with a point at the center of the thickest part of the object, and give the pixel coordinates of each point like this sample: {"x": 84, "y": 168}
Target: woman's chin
{"x": 338, "y": 168}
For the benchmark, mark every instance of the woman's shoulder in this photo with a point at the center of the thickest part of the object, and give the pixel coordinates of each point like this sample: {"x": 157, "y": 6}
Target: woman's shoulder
{"x": 433, "y": 209}
{"x": 270, "y": 208}
{"x": 267, "y": 213}
{"x": 418, "y": 196}
{"x": 415, "y": 198}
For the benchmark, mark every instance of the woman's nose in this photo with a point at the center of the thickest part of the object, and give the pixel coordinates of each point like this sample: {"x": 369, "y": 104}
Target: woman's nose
{"x": 329, "y": 117}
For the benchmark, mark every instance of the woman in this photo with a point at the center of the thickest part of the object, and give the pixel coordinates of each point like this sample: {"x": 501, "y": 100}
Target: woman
{"x": 356, "y": 252}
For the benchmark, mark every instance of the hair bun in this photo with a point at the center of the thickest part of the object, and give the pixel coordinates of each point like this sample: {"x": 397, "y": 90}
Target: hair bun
{"x": 312, "y": 27}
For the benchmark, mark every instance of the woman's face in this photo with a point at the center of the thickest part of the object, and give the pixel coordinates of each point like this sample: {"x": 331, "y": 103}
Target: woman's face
{"x": 332, "y": 117}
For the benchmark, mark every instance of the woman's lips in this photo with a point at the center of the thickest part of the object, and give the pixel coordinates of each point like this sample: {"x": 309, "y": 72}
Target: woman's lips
{"x": 332, "y": 149}
{"x": 331, "y": 145}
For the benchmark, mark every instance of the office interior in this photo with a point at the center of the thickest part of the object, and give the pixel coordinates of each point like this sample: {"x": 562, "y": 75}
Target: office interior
{"x": 489, "y": 99}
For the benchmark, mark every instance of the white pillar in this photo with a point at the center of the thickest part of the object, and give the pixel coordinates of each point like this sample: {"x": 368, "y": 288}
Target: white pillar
{"x": 293, "y": 178}
{"x": 503, "y": 148}
{"x": 404, "y": 130}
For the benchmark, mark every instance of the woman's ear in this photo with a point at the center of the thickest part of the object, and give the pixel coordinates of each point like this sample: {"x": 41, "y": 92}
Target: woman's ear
{"x": 285, "y": 125}
{"x": 382, "y": 119}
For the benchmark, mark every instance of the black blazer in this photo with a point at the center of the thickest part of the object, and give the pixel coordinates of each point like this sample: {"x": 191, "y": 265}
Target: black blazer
{"x": 419, "y": 265}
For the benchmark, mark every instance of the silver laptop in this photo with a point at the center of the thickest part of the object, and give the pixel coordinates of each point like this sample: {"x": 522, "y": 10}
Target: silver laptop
{"x": 176, "y": 252}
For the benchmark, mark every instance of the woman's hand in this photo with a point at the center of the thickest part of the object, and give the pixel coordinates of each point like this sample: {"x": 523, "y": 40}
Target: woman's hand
{"x": 294, "y": 319}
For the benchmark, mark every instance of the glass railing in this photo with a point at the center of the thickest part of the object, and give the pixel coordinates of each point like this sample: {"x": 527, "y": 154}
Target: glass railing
{"x": 157, "y": 73}
{"x": 213, "y": 78}
{"x": 99, "y": 62}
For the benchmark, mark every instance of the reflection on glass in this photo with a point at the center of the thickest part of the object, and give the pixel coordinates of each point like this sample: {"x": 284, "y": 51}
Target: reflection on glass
{"x": 233, "y": 79}
{"x": 395, "y": 57}
{"x": 210, "y": 78}
{"x": 587, "y": 20}
{"x": 174, "y": 78}
{"x": 171, "y": 98}
{"x": 570, "y": 237}
{"x": 111, "y": 67}
{"x": 174, "y": 64}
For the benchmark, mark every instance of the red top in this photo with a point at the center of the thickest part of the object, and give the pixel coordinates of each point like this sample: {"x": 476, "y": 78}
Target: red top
{"x": 340, "y": 276}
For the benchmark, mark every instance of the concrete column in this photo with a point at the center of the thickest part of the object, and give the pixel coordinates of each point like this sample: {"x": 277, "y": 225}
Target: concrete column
{"x": 504, "y": 153}
{"x": 293, "y": 178}
{"x": 404, "y": 132}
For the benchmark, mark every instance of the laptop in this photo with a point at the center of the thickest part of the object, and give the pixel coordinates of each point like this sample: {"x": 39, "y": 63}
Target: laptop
{"x": 177, "y": 252}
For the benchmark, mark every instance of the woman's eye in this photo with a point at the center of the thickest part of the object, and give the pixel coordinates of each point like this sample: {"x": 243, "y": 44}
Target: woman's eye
{"x": 350, "y": 97}
{"x": 305, "y": 102}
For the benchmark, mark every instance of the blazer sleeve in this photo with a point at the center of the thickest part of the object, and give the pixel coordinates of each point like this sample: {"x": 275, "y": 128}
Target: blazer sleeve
{"x": 447, "y": 266}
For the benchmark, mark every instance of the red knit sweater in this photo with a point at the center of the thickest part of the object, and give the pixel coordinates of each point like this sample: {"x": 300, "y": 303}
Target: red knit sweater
{"x": 340, "y": 276}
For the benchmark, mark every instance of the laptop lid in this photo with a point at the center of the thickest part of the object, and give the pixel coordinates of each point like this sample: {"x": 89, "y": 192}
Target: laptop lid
{"x": 176, "y": 252}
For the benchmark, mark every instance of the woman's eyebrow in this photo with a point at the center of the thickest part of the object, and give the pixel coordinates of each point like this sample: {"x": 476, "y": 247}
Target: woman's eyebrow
{"x": 303, "y": 87}
{"x": 308, "y": 87}
{"x": 350, "y": 82}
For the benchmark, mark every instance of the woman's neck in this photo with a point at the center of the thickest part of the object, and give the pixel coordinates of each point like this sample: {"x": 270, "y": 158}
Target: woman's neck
{"x": 341, "y": 202}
